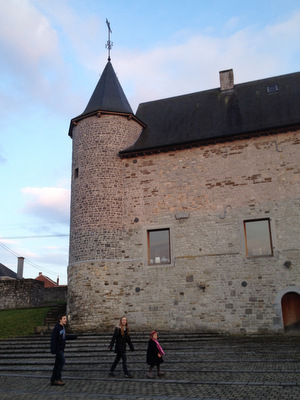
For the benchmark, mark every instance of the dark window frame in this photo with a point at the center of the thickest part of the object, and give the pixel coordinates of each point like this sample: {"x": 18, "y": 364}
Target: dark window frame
{"x": 158, "y": 260}
{"x": 270, "y": 238}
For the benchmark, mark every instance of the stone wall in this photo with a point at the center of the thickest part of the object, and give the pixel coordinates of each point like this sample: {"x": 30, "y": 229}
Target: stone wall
{"x": 21, "y": 293}
{"x": 97, "y": 200}
{"x": 203, "y": 195}
{"x": 55, "y": 294}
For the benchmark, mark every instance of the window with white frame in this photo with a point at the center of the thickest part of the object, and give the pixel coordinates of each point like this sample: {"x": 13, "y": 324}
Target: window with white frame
{"x": 258, "y": 237}
{"x": 159, "y": 249}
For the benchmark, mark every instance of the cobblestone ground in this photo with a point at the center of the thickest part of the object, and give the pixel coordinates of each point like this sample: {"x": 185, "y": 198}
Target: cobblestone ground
{"x": 196, "y": 367}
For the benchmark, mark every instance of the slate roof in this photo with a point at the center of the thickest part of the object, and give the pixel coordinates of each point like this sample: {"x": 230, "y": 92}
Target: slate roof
{"x": 108, "y": 94}
{"x": 108, "y": 97}
{"x": 6, "y": 272}
{"x": 212, "y": 115}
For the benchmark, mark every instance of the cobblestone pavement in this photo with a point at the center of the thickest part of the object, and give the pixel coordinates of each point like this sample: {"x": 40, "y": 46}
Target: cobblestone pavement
{"x": 196, "y": 367}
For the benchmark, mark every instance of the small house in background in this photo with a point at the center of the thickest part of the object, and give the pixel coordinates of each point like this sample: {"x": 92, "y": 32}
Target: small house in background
{"x": 17, "y": 292}
{"x": 6, "y": 273}
{"x": 47, "y": 281}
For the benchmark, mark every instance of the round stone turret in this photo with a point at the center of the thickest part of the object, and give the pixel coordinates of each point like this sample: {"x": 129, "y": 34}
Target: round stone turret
{"x": 106, "y": 127}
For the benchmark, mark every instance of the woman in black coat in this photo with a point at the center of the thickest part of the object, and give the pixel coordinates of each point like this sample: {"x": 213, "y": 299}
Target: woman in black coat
{"x": 154, "y": 354}
{"x": 121, "y": 337}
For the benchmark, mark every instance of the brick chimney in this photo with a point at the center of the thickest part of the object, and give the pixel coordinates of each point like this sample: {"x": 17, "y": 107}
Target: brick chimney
{"x": 226, "y": 80}
{"x": 20, "y": 267}
{"x": 57, "y": 281}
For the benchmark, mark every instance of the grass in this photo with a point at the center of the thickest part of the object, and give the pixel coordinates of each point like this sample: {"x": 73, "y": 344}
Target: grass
{"x": 21, "y": 322}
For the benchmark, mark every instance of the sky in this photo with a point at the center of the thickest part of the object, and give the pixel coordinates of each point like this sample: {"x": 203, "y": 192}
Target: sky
{"x": 52, "y": 53}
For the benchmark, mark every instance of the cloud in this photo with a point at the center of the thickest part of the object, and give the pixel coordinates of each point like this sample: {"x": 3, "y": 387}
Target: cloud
{"x": 32, "y": 65}
{"x": 80, "y": 32}
{"x": 28, "y": 42}
{"x": 50, "y": 54}
{"x": 231, "y": 24}
{"x": 194, "y": 65}
{"x": 48, "y": 203}
{"x": 43, "y": 41}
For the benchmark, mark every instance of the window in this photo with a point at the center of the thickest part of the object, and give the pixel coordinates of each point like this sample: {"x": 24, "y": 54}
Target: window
{"x": 272, "y": 88}
{"x": 159, "y": 246}
{"x": 76, "y": 172}
{"x": 258, "y": 238}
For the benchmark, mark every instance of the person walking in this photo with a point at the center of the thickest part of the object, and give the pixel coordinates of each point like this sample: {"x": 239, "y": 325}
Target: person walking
{"x": 155, "y": 355}
{"x": 120, "y": 338}
{"x": 58, "y": 342}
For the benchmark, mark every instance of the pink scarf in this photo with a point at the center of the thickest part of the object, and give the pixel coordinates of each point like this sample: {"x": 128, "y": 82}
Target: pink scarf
{"x": 160, "y": 350}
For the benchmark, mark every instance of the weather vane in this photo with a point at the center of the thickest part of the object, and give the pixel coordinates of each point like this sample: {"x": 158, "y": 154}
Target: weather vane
{"x": 109, "y": 44}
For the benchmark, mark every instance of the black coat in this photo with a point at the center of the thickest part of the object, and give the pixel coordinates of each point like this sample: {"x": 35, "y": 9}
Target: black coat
{"x": 58, "y": 339}
{"x": 152, "y": 354}
{"x": 120, "y": 341}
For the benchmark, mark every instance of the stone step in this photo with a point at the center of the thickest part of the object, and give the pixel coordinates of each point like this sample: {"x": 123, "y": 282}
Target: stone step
{"x": 188, "y": 357}
{"x": 239, "y": 365}
{"x": 98, "y": 342}
{"x": 51, "y": 318}
{"x": 180, "y": 342}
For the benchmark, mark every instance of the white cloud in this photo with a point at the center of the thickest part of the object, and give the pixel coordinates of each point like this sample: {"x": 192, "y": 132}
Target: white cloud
{"x": 8, "y": 241}
{"x": 48, "y": 203}
{"x": 194, "y": 65}
{"x": 231, "y": 24}
{"x": 28, "y": 41}
{"x": 81, "y": 33}
{"x": 32, "y": 65}
{"x": 48, "y": 47}
{"x": 29, "y": 32}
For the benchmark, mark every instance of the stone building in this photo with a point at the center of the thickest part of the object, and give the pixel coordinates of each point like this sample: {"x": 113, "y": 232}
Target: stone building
{"x": 185, "y": 215}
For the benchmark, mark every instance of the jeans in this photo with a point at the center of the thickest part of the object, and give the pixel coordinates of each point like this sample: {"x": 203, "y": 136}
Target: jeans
{"x": 124, "y": 361}
{"x": 58, "y": 366}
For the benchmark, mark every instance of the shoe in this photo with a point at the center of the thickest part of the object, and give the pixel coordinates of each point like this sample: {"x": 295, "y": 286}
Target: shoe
{"x": 57, "y": 383}
{"x": 150, "y": 376}
{"x": 111, "y": 374}
{"x": 160, "y": 373}
{"x": 129, "y": 376}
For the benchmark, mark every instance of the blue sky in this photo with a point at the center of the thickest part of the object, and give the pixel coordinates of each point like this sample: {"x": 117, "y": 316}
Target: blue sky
{"x": 52, "y": 54}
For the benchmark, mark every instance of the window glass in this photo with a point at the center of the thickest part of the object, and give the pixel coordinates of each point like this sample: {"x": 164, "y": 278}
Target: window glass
{"x": 258, "y": 238}
{"x": 272, "y": 88}
{"x": 159, "y": 247}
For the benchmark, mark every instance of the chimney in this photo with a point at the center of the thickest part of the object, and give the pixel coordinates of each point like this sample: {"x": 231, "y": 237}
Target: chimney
{"x": 226, "y": 80}
{"x": 57, "y": 281}
{"x": 20, "y": 267}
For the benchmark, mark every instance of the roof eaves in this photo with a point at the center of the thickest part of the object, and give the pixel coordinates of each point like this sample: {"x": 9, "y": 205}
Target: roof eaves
{"x": 99, "y": 113}
{"x": 135, "y": 152}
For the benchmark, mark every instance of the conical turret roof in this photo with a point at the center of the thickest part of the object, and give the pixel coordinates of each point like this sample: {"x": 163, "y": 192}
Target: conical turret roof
{"x": 108, "y": 94}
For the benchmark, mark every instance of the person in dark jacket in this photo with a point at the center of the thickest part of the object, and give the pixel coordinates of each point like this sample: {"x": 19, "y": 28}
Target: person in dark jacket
{"x": 154, "y": 355}
{"x": 58, "y": 342}
{"x": 121, "y": 337}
